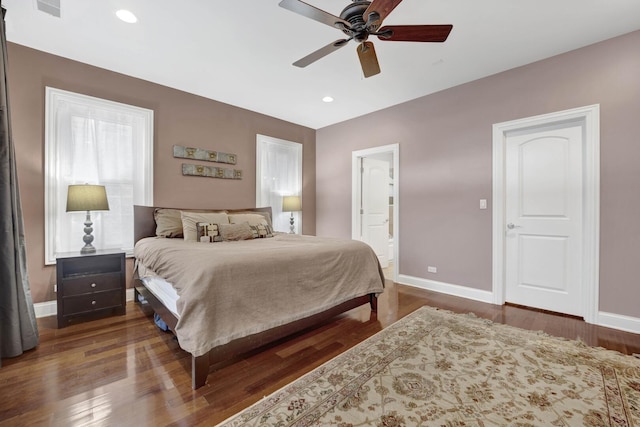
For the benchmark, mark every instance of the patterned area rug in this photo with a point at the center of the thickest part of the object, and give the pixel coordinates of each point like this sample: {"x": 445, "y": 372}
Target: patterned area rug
{"x": 436, "y": 368}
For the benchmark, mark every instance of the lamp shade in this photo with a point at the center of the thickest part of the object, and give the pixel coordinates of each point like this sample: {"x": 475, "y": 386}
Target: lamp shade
{"x": 291, "y": 204}
{"x": 87, "y": 198}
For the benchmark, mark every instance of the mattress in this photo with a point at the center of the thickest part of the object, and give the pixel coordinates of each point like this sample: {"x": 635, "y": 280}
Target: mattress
{"x": 164, "y": 291}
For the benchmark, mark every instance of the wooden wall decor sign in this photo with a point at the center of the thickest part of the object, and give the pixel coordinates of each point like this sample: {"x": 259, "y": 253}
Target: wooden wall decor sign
{"x": 201, "y": 154}
{"x": 210, "y": 171}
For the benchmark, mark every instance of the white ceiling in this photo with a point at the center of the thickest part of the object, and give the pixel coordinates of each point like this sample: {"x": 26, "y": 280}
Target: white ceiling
{"x": 240, "y": 52}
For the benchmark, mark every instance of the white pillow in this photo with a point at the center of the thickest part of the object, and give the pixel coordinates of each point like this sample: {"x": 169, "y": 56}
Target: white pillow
{"x": 252, "y": 219}
{"x": 190, "y": 222}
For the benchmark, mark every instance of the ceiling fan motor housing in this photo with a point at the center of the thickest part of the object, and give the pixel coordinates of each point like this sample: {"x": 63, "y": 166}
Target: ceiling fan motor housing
{"x": 354, "y": 14}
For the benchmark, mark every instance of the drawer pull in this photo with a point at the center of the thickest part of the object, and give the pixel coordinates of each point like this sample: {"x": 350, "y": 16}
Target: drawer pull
{"x": 93, "y": 302}
{"x": 93, "y": 285}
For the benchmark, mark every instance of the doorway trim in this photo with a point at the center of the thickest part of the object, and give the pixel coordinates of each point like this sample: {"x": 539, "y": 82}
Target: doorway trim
{"x": 394, "y": 149}
{"x": 589, "y": 118}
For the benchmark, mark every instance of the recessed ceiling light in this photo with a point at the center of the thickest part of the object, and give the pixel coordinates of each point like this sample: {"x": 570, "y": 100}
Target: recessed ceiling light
{"x": 327, "y": 99}
{"x": 127, "y": 16}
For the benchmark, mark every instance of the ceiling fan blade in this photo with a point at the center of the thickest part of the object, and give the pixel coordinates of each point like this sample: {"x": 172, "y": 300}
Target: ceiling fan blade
{"x": 314, "y": 13}
{"x": 415, "y": 33}
{"x": 368, "y": 59}
{"x": 377, "y": 11}
{"x": 320, "y": 53}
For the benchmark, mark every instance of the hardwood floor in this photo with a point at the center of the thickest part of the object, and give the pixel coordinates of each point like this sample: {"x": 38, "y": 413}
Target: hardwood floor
{"x": 123, "y": 371}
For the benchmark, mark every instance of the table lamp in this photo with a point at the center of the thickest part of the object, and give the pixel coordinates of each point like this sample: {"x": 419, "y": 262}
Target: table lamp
{"x": 87, "y": 198}
{"x": 291, "y": 204}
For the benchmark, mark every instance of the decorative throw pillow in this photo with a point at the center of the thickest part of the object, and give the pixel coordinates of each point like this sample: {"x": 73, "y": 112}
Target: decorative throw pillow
{"x": 208, "y": 232}
{"x": 250, "y": 218}
{"x": 240, "y": 231}
{"x": 191, "y": 219}
{"x": 261, "y": 231}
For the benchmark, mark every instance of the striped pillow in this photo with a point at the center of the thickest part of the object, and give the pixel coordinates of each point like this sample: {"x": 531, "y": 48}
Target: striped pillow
{"x": 261, "y": 231}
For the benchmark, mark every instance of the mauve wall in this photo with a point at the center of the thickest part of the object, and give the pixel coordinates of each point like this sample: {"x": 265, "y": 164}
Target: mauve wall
{"x": 446, "y": 157}
{"x": 180, "y": 118}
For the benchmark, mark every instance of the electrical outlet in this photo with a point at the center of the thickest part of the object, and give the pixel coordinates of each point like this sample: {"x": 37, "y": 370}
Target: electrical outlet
{"x": 55, "y": 288}
{"x": 432, "y": 269}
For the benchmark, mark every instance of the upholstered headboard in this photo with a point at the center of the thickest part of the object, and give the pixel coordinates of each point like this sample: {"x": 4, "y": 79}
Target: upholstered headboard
{"x": 144, "y": 223}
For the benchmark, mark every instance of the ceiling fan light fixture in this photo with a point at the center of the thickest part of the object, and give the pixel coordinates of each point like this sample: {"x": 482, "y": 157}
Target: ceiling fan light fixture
{"x": 127, "y": 16}
{"x": 327, "y": 99}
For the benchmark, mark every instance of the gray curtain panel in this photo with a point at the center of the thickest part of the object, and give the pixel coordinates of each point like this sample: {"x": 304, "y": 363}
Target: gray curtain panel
{"x": 18, "y": 328}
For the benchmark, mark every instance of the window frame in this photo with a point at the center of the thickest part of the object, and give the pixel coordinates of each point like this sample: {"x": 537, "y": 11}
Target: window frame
{"x": 55, "y": 97}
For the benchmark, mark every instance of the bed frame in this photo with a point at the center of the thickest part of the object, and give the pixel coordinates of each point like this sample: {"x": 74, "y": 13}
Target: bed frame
{"x": 145, "y": 226}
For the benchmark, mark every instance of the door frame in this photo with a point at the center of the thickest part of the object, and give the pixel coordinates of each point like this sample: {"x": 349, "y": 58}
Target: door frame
{"x": 589, "y": 118}
{"x": 356, "y": 219}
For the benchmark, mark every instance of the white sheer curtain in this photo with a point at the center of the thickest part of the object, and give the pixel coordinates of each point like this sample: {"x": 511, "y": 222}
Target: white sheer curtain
{"x": 278, "y": 174}
{"x": 96, "y": 142}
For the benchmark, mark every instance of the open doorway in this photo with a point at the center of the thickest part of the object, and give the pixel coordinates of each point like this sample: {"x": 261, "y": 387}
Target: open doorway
{"x": 375, "y": 203}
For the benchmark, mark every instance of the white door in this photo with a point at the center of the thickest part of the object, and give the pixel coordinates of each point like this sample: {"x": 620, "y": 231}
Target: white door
{"x": 375, "y": 207}
{"x": 543, "y": 213}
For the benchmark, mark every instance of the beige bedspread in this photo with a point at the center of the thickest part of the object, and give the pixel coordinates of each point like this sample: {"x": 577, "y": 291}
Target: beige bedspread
{"x": 230, "y": 290}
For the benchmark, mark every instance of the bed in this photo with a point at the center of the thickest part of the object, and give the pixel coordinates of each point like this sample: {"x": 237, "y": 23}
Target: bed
{"x": 224, "y": 298}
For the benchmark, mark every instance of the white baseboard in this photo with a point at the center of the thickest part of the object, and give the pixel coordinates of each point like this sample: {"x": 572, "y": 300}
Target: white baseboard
{"x": 50, "y": 308}
{"x": 619, "y": 321}
{"x": 447, "y": 288}
{"x": 46, "y": 309}
{"x": 607, "y": 320}
{"x": 130, "y": 294}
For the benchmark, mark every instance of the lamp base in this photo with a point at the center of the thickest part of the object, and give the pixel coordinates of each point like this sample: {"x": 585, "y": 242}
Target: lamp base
{"x": 88, "y": 237}
{"x": 88, "y": 249}
{"x": 292, "y": 229}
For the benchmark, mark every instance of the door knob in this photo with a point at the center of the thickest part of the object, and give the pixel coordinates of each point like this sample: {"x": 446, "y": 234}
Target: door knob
{"x": 511, "y": 226}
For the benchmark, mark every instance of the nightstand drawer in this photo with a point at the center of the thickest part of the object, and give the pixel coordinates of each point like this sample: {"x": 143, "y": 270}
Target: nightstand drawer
{"x": 92, "y": 302}
{"x": 90, "y": 284}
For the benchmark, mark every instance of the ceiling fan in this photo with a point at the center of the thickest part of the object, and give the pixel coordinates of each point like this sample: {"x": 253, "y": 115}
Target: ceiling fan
{"x": 358, "y": 21}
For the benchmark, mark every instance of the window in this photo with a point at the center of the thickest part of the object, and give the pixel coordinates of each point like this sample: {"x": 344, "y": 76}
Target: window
{"x": 278, "y": 174}
{"x": 94, "y": 141}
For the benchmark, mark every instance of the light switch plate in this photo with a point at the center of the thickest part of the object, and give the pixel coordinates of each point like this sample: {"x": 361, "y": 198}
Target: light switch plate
{"x": 483, "y": 203}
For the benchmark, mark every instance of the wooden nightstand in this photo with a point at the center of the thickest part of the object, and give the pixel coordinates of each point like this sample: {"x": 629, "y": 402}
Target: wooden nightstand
{"x": 90, "y": 286}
